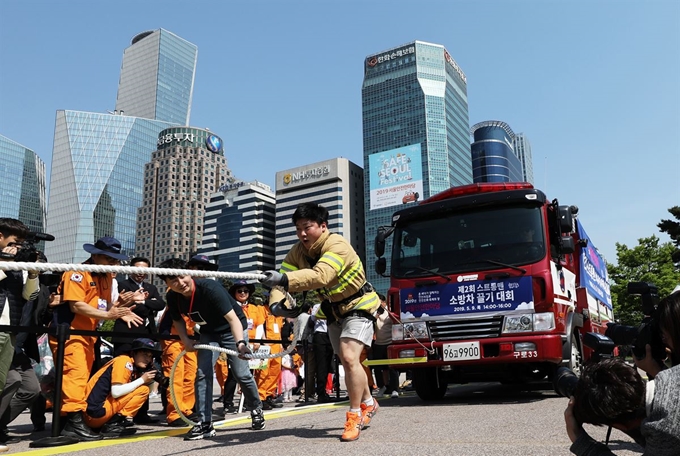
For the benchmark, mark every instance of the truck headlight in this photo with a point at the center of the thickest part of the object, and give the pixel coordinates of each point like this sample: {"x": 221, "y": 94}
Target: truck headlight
{"x": 529, "y": 322}
{"x": 411, "y": 330}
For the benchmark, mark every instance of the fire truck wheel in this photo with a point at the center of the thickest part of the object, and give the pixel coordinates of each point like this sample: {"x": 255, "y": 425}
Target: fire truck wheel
{"x": 428, "y": 384}
{"x": 575, "y": 359}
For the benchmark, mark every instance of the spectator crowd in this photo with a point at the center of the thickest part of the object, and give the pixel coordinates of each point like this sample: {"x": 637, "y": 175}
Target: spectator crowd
{"x": 107, "y": 397}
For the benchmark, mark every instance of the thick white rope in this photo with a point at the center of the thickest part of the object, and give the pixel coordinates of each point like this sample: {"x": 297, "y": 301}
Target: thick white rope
{"x": 228, "y": 351}
{"x": 79, "y": 267}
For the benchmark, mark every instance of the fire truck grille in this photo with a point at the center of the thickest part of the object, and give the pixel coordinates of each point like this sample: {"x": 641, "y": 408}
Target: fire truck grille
{"x": 475, "y": 328}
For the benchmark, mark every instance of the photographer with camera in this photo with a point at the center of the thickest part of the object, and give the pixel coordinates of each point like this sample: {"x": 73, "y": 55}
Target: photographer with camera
{"x": 612, "y": 393}
{"x": 16, "y": 287}
{"x": 120, "y": 388}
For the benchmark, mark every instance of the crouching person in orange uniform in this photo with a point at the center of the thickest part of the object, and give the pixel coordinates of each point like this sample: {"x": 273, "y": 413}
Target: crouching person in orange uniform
{"x": 120, "y": 388}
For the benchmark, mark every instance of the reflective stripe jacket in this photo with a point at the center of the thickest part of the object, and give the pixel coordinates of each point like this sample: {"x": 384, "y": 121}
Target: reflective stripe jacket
{"x": 333, "y": 268}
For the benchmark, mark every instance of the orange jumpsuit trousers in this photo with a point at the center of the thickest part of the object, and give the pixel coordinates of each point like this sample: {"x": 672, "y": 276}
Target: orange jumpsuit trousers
{"x": 78, "y": 359}
{"x": 184, "y": 379}
{"x": 127, "y": 405}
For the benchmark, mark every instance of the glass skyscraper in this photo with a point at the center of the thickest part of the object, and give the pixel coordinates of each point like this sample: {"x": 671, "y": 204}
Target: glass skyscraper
{"x": 415, "y": 131}
{"x": 97, "y": 180}
{"x": 22, "y": 187}
{"x": 157, "y": 77}
{"x": 493, "y": 155}
{"x": 523, "y": 151}
{"x": 98, "y": 159}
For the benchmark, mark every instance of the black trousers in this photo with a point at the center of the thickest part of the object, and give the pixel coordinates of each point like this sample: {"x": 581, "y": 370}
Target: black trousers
{"x": 323, "y": 354}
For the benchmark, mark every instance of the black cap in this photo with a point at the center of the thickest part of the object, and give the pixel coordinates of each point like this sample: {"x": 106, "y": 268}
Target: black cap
{"x": 145, "y": 344}
{"x": 239, "y": 284}
{"x": 203, "y": 262}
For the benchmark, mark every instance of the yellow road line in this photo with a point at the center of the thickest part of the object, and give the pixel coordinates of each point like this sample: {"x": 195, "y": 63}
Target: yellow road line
{"x": 174, "y": 432}
{"x": 385, "y": 362}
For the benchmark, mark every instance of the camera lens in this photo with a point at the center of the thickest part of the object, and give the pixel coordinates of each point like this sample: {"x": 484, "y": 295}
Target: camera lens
{"x": 565, "y": 382}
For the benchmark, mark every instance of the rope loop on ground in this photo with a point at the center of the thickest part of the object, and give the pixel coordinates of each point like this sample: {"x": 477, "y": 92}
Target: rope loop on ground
{"x": 228, "y": 351}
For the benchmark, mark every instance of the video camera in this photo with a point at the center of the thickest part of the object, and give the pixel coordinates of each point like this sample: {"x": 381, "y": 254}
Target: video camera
{"x": 28, "y": 252}
{"x": 648, "y": 332}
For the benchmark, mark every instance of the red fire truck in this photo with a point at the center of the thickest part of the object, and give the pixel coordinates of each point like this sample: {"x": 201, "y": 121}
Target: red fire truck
{"x": 492, "y": 282}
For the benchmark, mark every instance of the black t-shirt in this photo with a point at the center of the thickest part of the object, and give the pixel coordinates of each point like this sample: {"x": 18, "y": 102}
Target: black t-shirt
{"x": 211, "y": 303}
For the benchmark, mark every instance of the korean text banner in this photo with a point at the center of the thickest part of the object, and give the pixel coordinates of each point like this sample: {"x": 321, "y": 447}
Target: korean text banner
{"x": 594, "y": 277}
{"x": 396, "y": 177}
{"x": 467, "y": 297}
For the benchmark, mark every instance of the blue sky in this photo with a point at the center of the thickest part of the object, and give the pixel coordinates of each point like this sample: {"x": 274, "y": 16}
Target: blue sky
{"x": 595, "y": 85}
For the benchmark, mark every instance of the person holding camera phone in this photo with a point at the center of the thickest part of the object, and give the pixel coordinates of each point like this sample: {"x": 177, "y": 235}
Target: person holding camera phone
{"x": 612, "y": 393}
{"x": 119, "y": 389}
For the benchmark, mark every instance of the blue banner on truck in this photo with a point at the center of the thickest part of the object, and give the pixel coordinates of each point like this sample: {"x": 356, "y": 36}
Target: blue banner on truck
{"x": 467, "y": 297}
{"x": 593, "y": 268}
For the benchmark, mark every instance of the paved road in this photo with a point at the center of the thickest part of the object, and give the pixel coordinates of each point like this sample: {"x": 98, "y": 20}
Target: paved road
{"x": 476, "y": 419}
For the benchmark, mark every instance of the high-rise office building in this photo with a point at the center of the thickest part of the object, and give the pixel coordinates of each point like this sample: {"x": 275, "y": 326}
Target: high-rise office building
{"x": 415, "y": 130}
{"x": 97, "y": 179}
{"x": 493, "y": 155}
{"x": 239, "y": 228}
{"x": 22, "y": 187}
{"x": 187, "y": 168}
{"x": 337, "y": 184}
{"x": 98, "y": 159}
{"x": 523, "y": 151}
{"x": 157, "y": 77}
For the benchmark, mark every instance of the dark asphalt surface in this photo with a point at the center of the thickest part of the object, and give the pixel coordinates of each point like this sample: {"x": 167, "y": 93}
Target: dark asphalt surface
{"x": 476, "y": 419}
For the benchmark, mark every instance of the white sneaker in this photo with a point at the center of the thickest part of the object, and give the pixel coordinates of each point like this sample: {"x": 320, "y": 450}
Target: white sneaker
{"x": 380, "y": 392}
{"x": 3, "y": 448}
{"x": 395, "y": 394}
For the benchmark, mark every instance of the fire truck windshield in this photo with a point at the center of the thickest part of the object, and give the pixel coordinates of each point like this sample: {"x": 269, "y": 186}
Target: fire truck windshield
{"x": 454, "y": 241}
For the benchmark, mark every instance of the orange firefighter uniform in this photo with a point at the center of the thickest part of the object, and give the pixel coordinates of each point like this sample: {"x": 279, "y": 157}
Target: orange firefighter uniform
{"x": 221, "y": 371}
{"x": 267, "y": 379}
{"x": 93, "y": 289}
{"x": 101, "y": 405}
{"x": 185, "y": 373}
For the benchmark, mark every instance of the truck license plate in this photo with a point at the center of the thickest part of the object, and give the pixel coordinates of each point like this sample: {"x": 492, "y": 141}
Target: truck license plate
{"x": 461, "y": 351}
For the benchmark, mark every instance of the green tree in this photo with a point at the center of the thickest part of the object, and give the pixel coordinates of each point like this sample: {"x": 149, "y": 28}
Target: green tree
{"x": 672, "y": 228}
{"x": 107, "y": 325}
{"x": 649, "y": 261}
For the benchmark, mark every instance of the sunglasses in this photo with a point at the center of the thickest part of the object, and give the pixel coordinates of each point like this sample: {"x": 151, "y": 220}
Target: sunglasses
{"x": 242, "y": 290}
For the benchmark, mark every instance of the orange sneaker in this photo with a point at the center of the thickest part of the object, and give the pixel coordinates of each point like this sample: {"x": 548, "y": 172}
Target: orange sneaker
{"x": 352, "y": 427}
{"x": 368, "y": 412}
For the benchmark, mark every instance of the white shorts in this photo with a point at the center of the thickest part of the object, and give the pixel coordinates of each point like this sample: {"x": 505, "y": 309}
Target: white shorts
{"x": 352, "y": 327}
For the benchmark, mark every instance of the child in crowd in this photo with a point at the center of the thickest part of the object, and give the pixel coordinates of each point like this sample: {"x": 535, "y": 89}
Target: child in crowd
{"x": 288, "y": 377}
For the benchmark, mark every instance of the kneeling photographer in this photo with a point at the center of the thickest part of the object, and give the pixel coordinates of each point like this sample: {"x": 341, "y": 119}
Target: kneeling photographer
{"x": 612, "y": 393}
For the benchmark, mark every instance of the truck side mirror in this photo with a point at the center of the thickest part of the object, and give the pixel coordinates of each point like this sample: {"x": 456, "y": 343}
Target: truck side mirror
{"x": 568, "y": 244}
{"x": 379, "y": 245}
{"x": 383, "y": 233}
{"x": 567, "y": 214}
{"x": 380, "y": 266}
